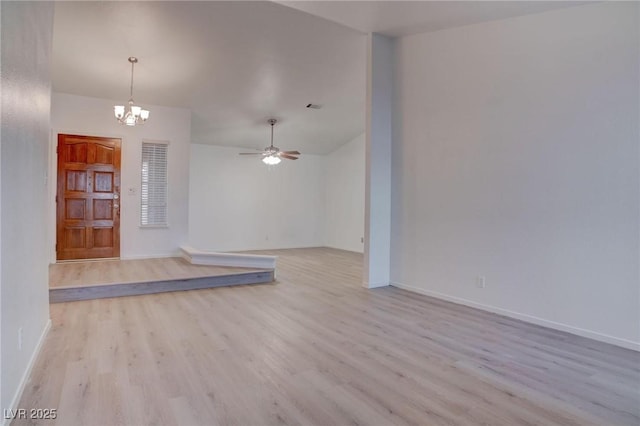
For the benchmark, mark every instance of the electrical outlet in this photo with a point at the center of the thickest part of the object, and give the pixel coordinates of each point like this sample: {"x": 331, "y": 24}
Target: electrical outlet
{"x": 20, "y": 339}
{"x": 480, "y": 281}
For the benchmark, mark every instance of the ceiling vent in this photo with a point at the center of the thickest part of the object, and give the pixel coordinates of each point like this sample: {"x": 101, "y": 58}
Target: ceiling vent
{"x": 314, "y": 106}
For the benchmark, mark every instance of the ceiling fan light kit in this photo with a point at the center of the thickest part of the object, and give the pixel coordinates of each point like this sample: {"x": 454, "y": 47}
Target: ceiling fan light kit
{"x": 271, "y": 160}
{"x": 272, "y": 155}
{"x": 131, "y": 114}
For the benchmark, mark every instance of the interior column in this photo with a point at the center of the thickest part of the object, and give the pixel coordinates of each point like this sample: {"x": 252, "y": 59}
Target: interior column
{"x": 380, "y": 60}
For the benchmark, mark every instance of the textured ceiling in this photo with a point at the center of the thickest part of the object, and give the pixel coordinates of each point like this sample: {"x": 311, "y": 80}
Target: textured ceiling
{"x": 401, "y": 18}
{"x": 236, "y": 64}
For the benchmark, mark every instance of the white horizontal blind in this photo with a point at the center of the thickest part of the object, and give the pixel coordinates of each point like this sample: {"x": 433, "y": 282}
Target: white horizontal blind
{"x": 153, "y": 193}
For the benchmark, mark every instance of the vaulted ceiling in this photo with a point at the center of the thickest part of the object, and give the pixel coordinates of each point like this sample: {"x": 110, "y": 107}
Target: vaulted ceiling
{"x": 236, "y": 64}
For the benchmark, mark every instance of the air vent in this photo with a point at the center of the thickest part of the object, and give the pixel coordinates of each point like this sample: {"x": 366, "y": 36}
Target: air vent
{"x": 314, "y": 106}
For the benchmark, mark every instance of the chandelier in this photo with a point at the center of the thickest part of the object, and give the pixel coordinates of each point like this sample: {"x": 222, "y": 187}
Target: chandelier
{"x": 131, "y": 114}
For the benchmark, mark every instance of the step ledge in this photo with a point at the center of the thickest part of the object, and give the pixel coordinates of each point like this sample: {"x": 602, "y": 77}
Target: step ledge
{"x": 71, "y": 294}
{"x": 214, "y": 258}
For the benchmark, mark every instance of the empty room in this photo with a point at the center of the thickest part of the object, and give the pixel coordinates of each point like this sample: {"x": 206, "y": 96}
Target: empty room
{"x": 320, "y": 213}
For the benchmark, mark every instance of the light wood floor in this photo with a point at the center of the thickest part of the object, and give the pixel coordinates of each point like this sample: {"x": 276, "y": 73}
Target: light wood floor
{"x": 316, "y": 348}
{"x": 96, "y": 272}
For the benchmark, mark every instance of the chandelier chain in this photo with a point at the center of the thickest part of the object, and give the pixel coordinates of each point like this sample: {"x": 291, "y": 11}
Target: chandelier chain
{"x": 133, "y": 61}
{"x": 131, "y": 88}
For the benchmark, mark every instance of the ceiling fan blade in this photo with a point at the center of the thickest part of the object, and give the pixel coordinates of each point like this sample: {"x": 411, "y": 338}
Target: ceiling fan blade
{"x": 287, "y": 156}
{"x": 251, "y": 153}
{"x": 291, "y": 152}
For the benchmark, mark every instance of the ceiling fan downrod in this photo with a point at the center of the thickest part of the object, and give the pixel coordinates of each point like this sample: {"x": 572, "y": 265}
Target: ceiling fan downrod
{"x": 272, "y": 121}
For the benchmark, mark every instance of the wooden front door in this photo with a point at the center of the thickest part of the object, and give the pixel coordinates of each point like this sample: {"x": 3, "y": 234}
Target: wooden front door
{"x": 88, "y": 197}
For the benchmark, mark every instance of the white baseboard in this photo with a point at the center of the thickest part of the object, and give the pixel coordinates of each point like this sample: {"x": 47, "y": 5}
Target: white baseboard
{"x": 152, "y": 256}
{"x": 628, "y": 344}
{"x": 375, "y": 285}
{"x": 27, "y": 372}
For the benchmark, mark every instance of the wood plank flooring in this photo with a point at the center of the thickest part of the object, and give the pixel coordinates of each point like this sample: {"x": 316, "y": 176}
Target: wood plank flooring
{"x": 316, "y": 348}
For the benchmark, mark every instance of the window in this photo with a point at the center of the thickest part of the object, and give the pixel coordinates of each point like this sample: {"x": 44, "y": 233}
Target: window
{"x": 153, "y": 191}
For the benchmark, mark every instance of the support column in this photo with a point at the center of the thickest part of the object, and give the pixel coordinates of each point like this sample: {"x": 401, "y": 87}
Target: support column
{"x": 380, "y": 62}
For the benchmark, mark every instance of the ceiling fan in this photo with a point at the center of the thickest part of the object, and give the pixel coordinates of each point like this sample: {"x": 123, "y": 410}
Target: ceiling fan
{"x": 272, "y": 155}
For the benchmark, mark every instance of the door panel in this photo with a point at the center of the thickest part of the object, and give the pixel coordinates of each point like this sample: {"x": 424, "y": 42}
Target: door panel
{"x": 88, "y": 197}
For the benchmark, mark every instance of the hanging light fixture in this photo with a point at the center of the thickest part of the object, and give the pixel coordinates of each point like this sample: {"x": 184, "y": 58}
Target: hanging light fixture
{"x": 272, "y": 155}
{"x": 131, "y": 115}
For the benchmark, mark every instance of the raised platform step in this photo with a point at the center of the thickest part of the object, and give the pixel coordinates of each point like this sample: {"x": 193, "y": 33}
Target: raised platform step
{"x": 100, "y": 291}
{"x": 242, "y": 260}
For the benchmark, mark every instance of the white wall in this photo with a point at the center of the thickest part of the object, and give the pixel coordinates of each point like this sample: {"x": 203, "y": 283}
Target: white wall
{"x": 516, "y": 157}
{"x": 26, "y": 91}
{"x": 92, "y": 116}
{"x": 238, "y": 203}
{"x": 344, "y": 202}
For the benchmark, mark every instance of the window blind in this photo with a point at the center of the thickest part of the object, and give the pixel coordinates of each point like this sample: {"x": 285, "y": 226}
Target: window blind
{"x": 153, "y": 192}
